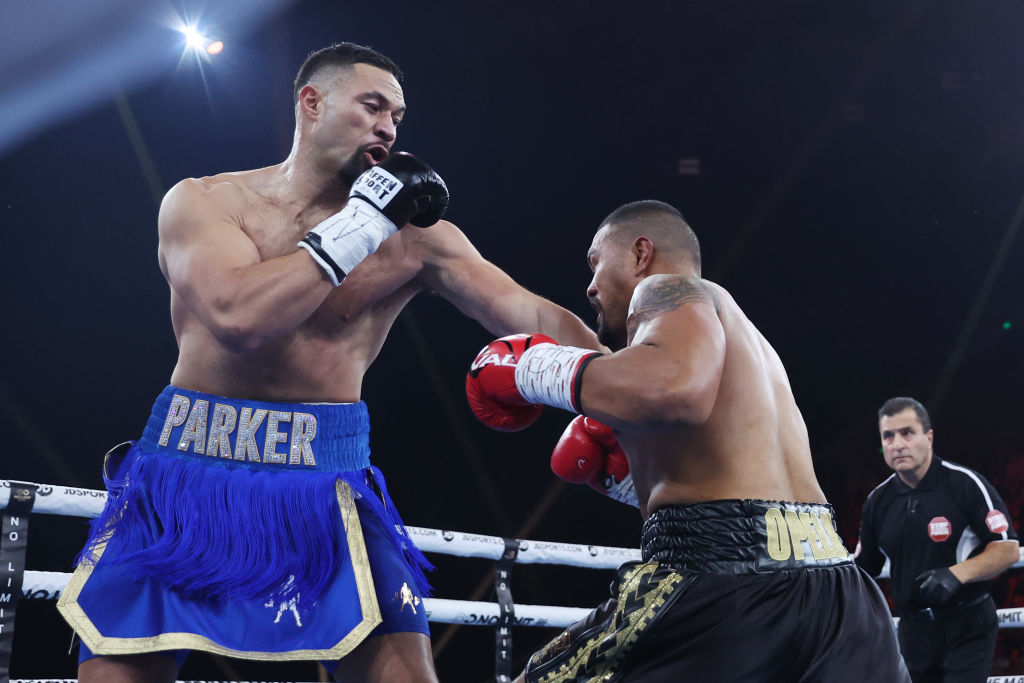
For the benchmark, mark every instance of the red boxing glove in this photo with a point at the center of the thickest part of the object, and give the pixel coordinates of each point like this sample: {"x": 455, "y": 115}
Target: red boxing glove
{"x": 491, "y": 384}
{"x": 589, "y": 453}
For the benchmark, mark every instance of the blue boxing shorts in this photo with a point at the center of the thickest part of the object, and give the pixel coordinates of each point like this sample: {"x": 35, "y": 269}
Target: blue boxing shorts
{"x": 244, "y": 528}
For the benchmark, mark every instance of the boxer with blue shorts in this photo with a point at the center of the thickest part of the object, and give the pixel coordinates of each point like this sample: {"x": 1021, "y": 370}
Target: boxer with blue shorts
{"x": 245, "y": 528}
{"x": 260, "y": 530}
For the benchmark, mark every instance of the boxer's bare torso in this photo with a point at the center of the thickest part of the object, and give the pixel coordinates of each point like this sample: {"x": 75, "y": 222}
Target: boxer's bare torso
{"x": 753, "y": 444}
{"x": 324, "y": 357}
{"x": 735, "y": 430}
{"x": 317, "y": 344}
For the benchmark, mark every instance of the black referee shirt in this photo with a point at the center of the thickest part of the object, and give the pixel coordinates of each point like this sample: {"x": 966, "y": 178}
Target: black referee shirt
{"x": 952, "y": 515}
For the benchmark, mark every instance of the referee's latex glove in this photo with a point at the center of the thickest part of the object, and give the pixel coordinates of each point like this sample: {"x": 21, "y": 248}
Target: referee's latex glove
{"x": 937, "y": 586}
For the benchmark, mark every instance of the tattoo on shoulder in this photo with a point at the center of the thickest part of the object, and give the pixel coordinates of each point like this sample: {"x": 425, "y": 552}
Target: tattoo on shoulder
{"x": 663, "y": 294}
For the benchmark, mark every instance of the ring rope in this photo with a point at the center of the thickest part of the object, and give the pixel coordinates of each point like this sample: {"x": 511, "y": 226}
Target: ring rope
{"x": 992, "y": 679}
{"x": 49, "y": 585}
{"x": 80, "y": 502}
{"x": 76, "y": 502}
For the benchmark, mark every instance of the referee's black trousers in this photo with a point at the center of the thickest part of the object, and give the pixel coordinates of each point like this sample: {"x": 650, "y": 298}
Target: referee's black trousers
{"x": 957, "y": 647}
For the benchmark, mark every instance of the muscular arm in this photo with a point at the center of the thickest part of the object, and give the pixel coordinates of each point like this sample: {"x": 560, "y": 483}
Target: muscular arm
{"x": 997, "y": 557}
{"x": 671, "y": 371}
{"x": 441, "y": 259}
{"x": 456, "y": 270}
{"x": 217, "y": 270}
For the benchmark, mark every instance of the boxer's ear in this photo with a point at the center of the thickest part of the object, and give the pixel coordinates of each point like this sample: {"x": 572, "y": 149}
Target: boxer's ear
{"x": 643, "y": 253}
{"x": 308, "y": 102}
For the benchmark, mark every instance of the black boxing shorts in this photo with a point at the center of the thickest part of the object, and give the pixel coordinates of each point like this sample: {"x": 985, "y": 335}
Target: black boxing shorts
{"x": 734, "y": 590}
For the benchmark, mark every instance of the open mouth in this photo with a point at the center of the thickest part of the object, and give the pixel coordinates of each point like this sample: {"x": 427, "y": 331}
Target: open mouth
{"x": 376, "y": 154}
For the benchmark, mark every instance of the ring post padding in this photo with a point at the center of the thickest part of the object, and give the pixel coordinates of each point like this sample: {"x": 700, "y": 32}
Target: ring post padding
{"x": 13, "y": 543}
{"x": 506, "y": 611}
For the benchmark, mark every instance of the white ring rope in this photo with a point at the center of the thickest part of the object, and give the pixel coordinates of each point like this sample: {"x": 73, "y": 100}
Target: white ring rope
{"x": 530, "y": 552}
{"x": 49, "y": 585}
{"x": 993, "y": 679}
{"x": 77, "y": 502}
{"x": 59, "y": 500}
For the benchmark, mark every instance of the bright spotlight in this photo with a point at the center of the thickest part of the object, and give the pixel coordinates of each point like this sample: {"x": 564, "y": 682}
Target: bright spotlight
{"x": 198, "y": 46}
{"x": 193, "y": 38}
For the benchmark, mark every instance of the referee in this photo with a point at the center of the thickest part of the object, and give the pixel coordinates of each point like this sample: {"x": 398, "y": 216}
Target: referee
{"x": 947, "y": 534}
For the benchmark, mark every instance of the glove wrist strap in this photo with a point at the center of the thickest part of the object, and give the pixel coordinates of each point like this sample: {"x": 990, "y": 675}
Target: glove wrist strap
{"x": 341, "y": 241}
{"x": 624, "y": 492}
{"x": 551, "y": 374}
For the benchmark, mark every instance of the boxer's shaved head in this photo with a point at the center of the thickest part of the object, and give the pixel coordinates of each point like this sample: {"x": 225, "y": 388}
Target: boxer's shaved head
{"x": 659, "y": 222}
{"x": 340, "y": 56}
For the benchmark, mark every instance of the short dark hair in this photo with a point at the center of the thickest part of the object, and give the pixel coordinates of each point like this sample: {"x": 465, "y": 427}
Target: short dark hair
{"x": 900, "y": 403}
{"x": 662, "y": 222}
{"x": 341, "y": 55}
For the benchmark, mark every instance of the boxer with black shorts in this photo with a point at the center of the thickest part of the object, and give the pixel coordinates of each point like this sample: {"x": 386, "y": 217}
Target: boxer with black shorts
{"x": 743, "y": 575}
{"x": 247, "y": 520}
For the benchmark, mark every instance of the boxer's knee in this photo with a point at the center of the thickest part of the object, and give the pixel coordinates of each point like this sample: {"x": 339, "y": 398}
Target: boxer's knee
{"x": 390, "y": 658}
{"x": 147, "y": 668}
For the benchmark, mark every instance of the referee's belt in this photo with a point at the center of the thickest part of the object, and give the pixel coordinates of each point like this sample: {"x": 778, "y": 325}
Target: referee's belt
{"x": 941, "y": 611}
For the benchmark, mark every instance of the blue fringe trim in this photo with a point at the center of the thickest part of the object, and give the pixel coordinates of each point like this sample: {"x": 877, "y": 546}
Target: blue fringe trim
{"x": 222, "y": 533}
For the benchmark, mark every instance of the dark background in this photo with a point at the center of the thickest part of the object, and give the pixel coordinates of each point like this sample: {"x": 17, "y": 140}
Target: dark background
{"x": 859, "y": 188}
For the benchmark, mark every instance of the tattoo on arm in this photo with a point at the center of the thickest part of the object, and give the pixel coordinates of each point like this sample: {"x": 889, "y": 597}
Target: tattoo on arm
{"x": 665, "y": 294}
